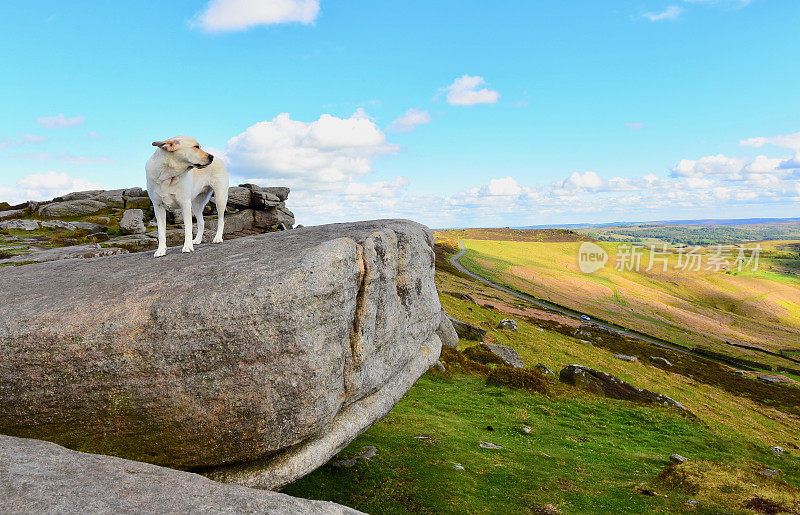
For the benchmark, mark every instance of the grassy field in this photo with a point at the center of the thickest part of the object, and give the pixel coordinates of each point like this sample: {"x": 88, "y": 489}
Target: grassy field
{"x": 703, "y": 308}
{"x": 584, "y": 453}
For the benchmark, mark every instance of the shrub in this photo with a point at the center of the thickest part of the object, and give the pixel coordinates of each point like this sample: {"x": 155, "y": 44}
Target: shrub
{"x": 519, "y": 378}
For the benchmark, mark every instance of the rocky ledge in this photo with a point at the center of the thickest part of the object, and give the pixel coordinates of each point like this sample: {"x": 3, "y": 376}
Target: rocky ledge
{"x": 253, "y": 361}
{"x": 41, "y": 477}
{"x": 123, "y": 219}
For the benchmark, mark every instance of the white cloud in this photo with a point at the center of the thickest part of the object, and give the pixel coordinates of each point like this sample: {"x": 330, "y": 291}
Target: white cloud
{"x": 635, "y": 126}
{"x": 501, "y": 187}
{"x": 59, "y": 121}
{"x": 464, "y": 92}
{"x": 21, "y": 140}
{"x": 764, "y": 164}
{"x": 790, "y": 141}
{"x": 670, "y": 13}
{"x": 325, "y": 154}
{"x": 44, "y": 186}
{"x": 236, "y": 15}
{"x": 586, "y": 180}
{"x": 710, "y": 165}
{"x": 409, "y": 120}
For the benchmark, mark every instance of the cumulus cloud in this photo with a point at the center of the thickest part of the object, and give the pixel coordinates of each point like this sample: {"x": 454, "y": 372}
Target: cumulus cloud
{"x": 409, "y": 120}
{"x": 44, "y": 186}
{"x": 710, "y": 165}
{"x": 60, "y": 121}
{"x": 237, "y": 15}
{"x": 324, "y": 154}
{"x": 586, "y": 180}
{"x": 464, "y": 92}
{"x": 501, "y": 187}
{"x": 672, "y": 12}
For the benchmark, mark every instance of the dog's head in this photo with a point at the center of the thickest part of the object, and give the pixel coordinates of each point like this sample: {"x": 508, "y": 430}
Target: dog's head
{"x": 186, "y": 151}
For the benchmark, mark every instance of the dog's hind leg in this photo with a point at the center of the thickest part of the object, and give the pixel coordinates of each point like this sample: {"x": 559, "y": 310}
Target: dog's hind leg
{"x": 221, "y": 200}
{"x": 198, "y": 204}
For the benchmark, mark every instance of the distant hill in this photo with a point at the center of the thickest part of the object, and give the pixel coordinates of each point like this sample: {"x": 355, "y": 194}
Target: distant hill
{"x": 706, "y": 221}
{"x": 508, "y": 234}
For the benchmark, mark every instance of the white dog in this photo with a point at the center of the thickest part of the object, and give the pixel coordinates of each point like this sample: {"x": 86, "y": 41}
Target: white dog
{"x": 181, "y": 176}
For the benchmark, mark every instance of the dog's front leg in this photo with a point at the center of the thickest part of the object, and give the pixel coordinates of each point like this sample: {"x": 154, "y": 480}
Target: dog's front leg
{"x": 186, "y": 210}
{"x": 161, "y": 220}
{"x": 221, "y": 200}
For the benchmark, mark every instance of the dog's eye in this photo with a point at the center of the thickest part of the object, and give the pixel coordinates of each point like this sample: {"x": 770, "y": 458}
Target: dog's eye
{"x": 197, "y": 146}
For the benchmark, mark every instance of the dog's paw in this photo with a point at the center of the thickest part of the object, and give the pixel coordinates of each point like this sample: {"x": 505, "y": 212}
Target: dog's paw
{"x": 160, "y": 252}
{"x": 217, "y": 239}
{"x": 197, "y": 241}
{"x": 188, "y": 248}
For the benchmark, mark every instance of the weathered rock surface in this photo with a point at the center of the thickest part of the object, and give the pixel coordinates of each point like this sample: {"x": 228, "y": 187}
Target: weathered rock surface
{"x": 447, "y": 332}
{"x": 133, "y": 221}
{"x": 277, "y": 349}
{"x": 467, "y": 331}
{"x": 625, "y": 357}
{"x": 58, "y": 224}
{"x": 71, "y": 208}
{"x": 89, "y": 250}
{"x": 10, "y": 213}
{"x": 610, "y": 386}
{"x": 42, "y": 477}
{"x": 20, "y": 224}
{"x": 509, "y": 356}
{"x": 659, "y": 359}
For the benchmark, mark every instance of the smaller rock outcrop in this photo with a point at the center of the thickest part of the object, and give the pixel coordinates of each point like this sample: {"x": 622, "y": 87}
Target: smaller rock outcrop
{"x": 447, "y": 332}
{"x": 72, "y": 208}
{"x": 660, "y": 360}
{"x": 605, "y": 384}
{"x": 625, "y": 357}
{"x": 133, "y": 221}
{"x": 508, "y": 323}
{"x": 467, "y": 331}
{"x": 19, "y": 224}
{"x": 509, "y": 356}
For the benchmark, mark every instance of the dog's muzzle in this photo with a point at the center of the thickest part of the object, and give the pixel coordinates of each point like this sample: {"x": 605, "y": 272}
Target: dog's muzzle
{"x": 210, "y": 160}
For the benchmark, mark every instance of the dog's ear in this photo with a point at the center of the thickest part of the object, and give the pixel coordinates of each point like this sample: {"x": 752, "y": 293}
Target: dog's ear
{"x": 170, "y": 145}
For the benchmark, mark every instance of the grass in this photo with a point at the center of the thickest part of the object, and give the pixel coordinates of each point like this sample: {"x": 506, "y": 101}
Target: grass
{"x": 583, "y": 454}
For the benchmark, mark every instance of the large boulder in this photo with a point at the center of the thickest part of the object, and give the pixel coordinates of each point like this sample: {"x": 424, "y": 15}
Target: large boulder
{"x": 277, "y": 349}
{"x": 509, "y": 356}
{"x": 42, "y": 477}
{"x": 610, "y": 386}
{"x": 71, "y": 208}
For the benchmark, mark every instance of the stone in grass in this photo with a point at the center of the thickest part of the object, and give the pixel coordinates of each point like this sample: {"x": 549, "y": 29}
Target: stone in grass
{"x": 770, "y": 472}
{"x": 625, "y": 357}
{"x": 544, "y": 369}
{"x": 467, "y": 331}
{"x": 89, "y": 226}
{"x": 508, "y": 323}
{"x": 778, "y": 450}
{"x": 677, "y": 459}
{"x": 605, "y": 384}
{"x": 490, "y": 445}
{"x": 509, "y": 356}
{"x": 20, "y": 224}
{"x": 458, "y": 466}
{"x": 133, "y": 222}
{"x": 58, "y": 224}
{"x": 366, "y": 454}
{"x": 659, "y": 359}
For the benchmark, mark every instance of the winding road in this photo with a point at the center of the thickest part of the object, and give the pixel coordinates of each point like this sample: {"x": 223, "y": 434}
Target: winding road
{"x": 555, "y": 307}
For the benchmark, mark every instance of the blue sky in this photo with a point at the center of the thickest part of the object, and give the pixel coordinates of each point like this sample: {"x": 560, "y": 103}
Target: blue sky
{"x": 454, "y": 113}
